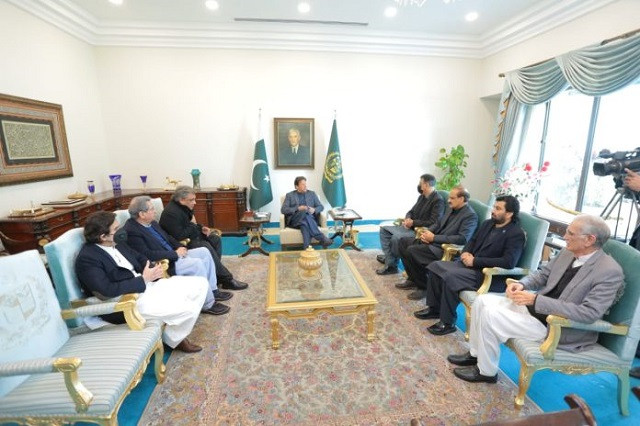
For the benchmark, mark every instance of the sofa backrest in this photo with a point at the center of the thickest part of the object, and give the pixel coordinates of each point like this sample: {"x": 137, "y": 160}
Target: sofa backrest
{"x": 627, "y": 309}
{"x": 61, "y": 256}
{"x": 30, "y": 321}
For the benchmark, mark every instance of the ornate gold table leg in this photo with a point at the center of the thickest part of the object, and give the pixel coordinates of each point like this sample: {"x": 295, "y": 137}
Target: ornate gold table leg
{"x": 275, "y": 338}
{"x": 371, "y": 315}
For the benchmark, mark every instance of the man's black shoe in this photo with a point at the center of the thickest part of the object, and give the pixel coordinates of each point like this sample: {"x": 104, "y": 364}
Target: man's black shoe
{"x": 387, "y": 270}
{"x": 381, "y": 258}
{"x": 464, "y": 359}
{"x": 217, "y": 309}
{"x": 234, "y": 285}
{"x": 635, "y": 372}
{"x": 221, "y": 296}
{"x": 472, "y": 374}
{"x": 406, "y": 285}
{"x": 326, "y": 242}
{"x": 440, "y": 328}
{"x": 417, "y": 295}
{"x": 426, "y": 313}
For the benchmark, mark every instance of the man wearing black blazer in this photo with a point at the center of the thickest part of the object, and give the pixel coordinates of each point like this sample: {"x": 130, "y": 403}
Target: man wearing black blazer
{"x": 498, "y": 243}
{"x": 106, "y": 269}
{"x": 456, "y": 227}
{"x": 426, "y": 212}
{"x": 145, "y": 236}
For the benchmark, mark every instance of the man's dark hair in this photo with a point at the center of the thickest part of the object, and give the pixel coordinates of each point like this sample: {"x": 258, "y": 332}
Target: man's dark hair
{"x": 462, "y": 192}
{"x": 98, "y": 224}
{"x": 182, "y": 192}
{"x": 430, "y": 179}
{"x": 511, "y": 204}
{"x": 297, "y": 180}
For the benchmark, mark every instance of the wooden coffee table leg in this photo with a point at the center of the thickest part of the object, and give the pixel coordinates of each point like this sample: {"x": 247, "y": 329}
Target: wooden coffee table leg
{"x": 371, "y": 315}
{"x": 275, "y": 332}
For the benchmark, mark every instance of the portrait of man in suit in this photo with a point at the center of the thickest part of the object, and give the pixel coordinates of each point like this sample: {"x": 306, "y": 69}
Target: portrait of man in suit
{"x": 294, "y": 143}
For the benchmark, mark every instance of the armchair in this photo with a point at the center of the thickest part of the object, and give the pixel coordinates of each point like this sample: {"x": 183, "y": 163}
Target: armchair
{"x": 536, "y": 232}
{"x": 619, "y": 333}
{"x": 48, "y": 376}
{"x": 291, "y": 237}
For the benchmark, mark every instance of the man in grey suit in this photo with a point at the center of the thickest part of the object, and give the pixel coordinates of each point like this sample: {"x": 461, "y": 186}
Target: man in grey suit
{"x": 425, "y": 213}
{"x": 456, "y": 227}
{"x": 580, "y": 284}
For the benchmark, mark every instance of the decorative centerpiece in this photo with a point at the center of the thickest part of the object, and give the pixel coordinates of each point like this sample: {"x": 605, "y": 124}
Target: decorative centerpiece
{"x": 522, "y": 181}
{"x": 309, "y": 261}
{"x": 115, "y": 182}
{"x": 172, "y": 184}
{"x": 195, "y": 174}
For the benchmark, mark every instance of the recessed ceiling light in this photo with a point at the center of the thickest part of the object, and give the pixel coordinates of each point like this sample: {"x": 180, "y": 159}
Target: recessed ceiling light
{"x": 390, "y": 12}
{"x": 304, "y": 7}
{"x": 212, "y": 5}
{"x": 116, "y": 2}
{"x": 471, "y": 16}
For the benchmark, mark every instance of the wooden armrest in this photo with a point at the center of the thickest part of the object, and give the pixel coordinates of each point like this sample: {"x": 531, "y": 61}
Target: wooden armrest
{"x": 185, "y": 242}
{"x": 126, "y": 304}
{"x": 450, "y": 251}
{"x": 216, "y": 231}
{"x": 490, "y": 272}
{"x": 548, "y": 347}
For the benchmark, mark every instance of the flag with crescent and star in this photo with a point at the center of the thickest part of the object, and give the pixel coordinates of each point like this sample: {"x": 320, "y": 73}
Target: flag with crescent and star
{"x": 260, "y": 192}
{"x": 332, "y": 180}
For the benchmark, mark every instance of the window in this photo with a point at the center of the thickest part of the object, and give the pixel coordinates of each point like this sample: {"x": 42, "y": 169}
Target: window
{"x": 570, "y": 131}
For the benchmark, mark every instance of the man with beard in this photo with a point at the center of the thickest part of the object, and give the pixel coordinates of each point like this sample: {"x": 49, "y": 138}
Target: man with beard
{"x": 177, "y": 220}
{"x": 498, "y": 243}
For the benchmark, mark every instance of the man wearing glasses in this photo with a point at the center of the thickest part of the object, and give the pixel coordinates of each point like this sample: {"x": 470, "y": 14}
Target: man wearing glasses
{"x": 580, "y": 284}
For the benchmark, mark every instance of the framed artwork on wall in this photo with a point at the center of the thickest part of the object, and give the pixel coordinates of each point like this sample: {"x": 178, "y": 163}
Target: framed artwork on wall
{"x": 294, "y": 142}
{"x": 33, "y": 141}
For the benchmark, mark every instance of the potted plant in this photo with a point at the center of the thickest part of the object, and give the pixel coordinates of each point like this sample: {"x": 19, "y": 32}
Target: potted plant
{"x": 452, "y": 164}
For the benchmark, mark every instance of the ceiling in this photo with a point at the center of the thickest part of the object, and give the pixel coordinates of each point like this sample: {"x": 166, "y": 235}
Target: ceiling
{"x": 436, "y": 28}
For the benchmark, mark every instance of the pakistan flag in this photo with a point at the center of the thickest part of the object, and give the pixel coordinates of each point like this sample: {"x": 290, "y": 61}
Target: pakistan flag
{"x": 332, "y": 180}
{"x": 260, "y": 192}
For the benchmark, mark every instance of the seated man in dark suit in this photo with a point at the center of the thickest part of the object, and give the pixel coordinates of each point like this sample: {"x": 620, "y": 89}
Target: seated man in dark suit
{"x": 301, "y": 209}
{"x": 456, "y": 227}
{"x": 106, "y": 269}
{"x": 145, "y": 236}
{"x": 425, "y": 213}
{"x": 580, "y": 284}
{"x": 177, "y": 220}
{"x": 498, "y": 242}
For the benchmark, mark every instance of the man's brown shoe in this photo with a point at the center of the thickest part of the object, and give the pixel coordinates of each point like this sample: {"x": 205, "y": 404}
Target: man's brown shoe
{"x": 188, "y": 347}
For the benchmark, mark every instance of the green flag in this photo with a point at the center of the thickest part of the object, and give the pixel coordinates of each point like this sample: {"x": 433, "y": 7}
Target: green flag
{"x": 260, "y": 192}
{"x": 332, "y": 180}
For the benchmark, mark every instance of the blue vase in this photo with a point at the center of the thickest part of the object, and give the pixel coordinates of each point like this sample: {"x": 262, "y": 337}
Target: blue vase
{"x": 115, "y": 182}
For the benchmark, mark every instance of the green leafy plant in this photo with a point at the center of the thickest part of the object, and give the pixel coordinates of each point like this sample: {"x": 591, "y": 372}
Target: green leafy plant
{"x": 452, "y": 164}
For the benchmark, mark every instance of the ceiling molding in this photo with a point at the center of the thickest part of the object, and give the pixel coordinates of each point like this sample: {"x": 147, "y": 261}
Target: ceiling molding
{"x": 66, "y": 16}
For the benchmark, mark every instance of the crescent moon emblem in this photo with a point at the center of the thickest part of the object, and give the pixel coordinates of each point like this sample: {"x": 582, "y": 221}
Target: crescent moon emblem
{"x": 255, "y": 163}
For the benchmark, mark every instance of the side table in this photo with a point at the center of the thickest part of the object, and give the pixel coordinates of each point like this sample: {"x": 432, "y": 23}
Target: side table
{"x": 254, "y": 233}
{"x": 347, "y": 217}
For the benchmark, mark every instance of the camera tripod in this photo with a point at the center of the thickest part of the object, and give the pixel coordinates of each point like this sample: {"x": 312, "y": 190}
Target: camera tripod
{"x": 616, "y": 200}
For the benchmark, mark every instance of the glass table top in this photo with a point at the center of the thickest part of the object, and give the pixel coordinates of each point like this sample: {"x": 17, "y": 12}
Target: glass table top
{"x": 337, "y": 278}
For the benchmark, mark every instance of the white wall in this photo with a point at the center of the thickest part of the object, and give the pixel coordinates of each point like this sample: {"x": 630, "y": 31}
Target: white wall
{"x": 42, "y": 63}
{"x": 189, "y": 108}
{"x": 162, "y": 112}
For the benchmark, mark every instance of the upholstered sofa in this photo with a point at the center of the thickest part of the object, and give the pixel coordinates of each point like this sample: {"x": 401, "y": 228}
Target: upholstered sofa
{"x": 291, "y": 237}
{"x": 51, "y": 376}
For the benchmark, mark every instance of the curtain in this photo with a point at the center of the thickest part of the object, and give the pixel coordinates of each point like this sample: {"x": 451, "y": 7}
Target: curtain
{"x": 594, "y": 70}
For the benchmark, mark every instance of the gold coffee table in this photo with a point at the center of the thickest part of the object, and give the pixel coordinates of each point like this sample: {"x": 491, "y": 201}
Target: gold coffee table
{"x": 336, "y": 288}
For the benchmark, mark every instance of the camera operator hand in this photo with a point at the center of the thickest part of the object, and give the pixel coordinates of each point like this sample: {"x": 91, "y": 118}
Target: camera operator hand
{"x": 632, "y": 180}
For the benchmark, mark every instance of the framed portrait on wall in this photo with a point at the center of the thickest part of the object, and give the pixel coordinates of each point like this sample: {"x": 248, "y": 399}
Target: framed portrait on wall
{"x": 33, "y": 142}
{"x": 294, "y": 142}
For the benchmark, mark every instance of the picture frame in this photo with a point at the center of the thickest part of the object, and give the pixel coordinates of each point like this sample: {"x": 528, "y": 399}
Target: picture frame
{"x": 33, "y": 141}
{"x": 291, "y": 151}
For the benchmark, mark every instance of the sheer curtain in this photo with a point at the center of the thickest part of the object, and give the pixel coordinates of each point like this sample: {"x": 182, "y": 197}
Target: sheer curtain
{"x": 594, "y": 70}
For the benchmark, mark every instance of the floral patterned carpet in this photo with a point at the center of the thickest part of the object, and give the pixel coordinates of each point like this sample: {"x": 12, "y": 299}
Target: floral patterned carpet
{"x": 325, "y": 372}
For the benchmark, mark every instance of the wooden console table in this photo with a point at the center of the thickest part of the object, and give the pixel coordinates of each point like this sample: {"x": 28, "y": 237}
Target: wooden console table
{"x": 214, "y": 208}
